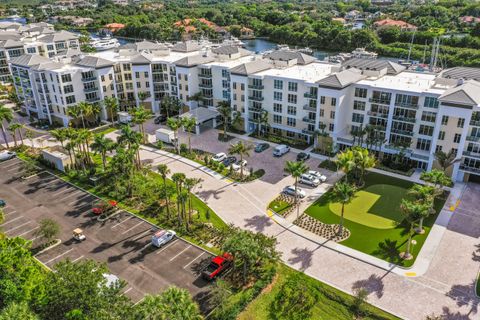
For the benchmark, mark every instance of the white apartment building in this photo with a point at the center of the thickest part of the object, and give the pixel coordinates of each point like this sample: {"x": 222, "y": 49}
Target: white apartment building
{"x": 415, "y": 113}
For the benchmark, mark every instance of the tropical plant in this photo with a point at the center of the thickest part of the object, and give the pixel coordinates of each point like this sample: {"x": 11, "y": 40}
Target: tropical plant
{"x": 130, "y": 139}
{"x": 189, "y": 124}
{"x": 197, "y": 97}
{"x": 13, "y": 131}
{"x": 241, "y": 149}
{"x": 48, "y": 229}
{"x": 101, "y": 145}
{"x": 6, "y": 114}
{"x": 174, "y": 124}
{"x": 179, "y": 178}
{"x": 18, "y": 311}
{"x": 436, "y": 177}
{"x": 140, "y": 116}
{"x": 171, "y": 105}
{"x": 344, "y": 194}
{"x": 424, "y": 194}
{"x": 261, "y": 121}
{"x": 190, "y": 184}
{"x": 446, "y": 160}
{"x": 225, "y": 111}
{"x": 75, "y": 112}
{"x": 164, "y": 171}
{"x": 296, "y": 169}
{"x": 346, "y": 162}
{"x": 142, "y": 96}
{"x": 412, "y": 212}
{"x": 112, "y": 106}
{"x": 362, "y": 161}
{"x": 61, "y": 135}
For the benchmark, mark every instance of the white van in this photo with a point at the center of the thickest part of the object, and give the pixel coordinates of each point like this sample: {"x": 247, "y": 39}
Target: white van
{"x": 280, "y": 150}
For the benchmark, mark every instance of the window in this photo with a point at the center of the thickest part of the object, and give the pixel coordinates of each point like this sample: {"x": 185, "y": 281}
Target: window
{"x": 70, "y": 99}
{"x": 234, "y": 85}
{"x": 455, "y": 151}
{"x": 292, "y": 110}
{"x": 332, "y": 114}
{"x": 425, "y": 130}
{"x": 277, "y": 96}
{"x": 277, "y": 107}
{"x": 429, "y": 116}
{"x": 460, "y": 122}
{"x": 225, "y": 73}
{"x": 139, "y": 85}
{"x": 359, "y": 105}
{"x": 104, "y": 88}
{"x": 145, "y": 74}
{"x": 423, "y": 144}
{"x": 333, "y": 102}
{"x": 292, "y": 122}
{"x": 137, "y": 75}
{"x": 438, "y": 148}
{"x": 361, "y": 92}
{"x": 31, "y": 50}
{"x": 147, "y": 84}
{"x": 129, "y": 86}
{"x": 128, "y": 76}
{"x": 331, "y": 127}
{"x": 406, "y": 100}
{"x": 441, "y": 135}
{"x": 66, "y": 77}
{"x": 225, "y": 84}
{"x": 277, "y": 118}
{"x": 67, "y": 89}
{"x": 322, "y": 100}
{"x": 242, "y": 86}
{"x": 292, "y": 98}
{"x": 357, "y": 117}
{"x": 457, "y": 137}
{"x": 102, "y": 77}
{"x": 444, "y": 120}
{"x": 126, "y": 67}
{"x": 292, "y": 86}
{"x": 322, "y": 113}
{"x": 430, "y": 102}
{"x": 278, "y": 84}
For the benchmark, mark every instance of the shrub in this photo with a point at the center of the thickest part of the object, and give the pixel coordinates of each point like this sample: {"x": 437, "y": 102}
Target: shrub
{"x": 221, "y": 167}
{"x": 207, "y": 214}
{"x": 183, "y": 148}
{"x": 159, "y": 145}
{"x": 206, "y": 159}
{"x": 329, "y": 165}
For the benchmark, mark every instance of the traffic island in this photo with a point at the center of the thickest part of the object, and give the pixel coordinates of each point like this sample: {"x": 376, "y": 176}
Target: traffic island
{"x": 327, "y": 231}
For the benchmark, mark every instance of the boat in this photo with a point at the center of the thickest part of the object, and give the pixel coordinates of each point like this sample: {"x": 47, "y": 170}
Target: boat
{"x": 282, "y": 47}
{"x": 362, "y": 53}
{"x": 105, "y": 44}
{"x": 306, "y": 50}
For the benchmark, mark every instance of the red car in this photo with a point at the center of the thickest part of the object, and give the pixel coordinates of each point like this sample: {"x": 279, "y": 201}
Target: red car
{"x": 218, "y": 265}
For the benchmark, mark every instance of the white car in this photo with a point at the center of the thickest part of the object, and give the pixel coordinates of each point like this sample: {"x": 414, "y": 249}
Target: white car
{"x": 310, "y": 180}
{"x": 219, "y": 157}
{"x": 7, "y": 155}
{"x": 240, "y": 163}
{"x": 317, "y": 174}
{"x": 290, "y": 190}
{"x": 162, "y": 237}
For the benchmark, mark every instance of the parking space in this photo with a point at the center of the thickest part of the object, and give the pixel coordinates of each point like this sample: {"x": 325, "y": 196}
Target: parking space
{"x": 123, "y": 242}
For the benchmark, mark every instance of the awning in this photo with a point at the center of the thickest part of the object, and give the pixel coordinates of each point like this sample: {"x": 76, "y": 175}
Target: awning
{"x": 202, "y": 114}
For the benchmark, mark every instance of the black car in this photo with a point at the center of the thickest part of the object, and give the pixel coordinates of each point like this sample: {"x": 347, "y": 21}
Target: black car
{"x": 229, "y": 160}
{"x": 160, "y": 119}
{"x": 261, "y": 147}
{"x": 302, "y": 156}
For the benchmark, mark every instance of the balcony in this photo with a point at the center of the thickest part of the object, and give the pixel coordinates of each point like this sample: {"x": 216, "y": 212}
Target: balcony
{"x": 256, "y": 87}
{"x": 469, "y": 169}
{"x": 471, "y": 154}
{"x": 345, "y": 140}
{"x": 475, "y": 123}
{"x": 309, "y": 108}
{"x": 402, "y": 132}
{"x": 89, "y": 79}
{"x": 93, "y": 99}
{"x": 205, "y": 75}
{"x": 205, "y": 85}
{"x": 473, "y": 138}
{"x": 421, "y": 157}
{"x": 307, "y": 131}
{"x": 310, "y": 95}
{"x": 252, "y": 109}
{"x": 404, "y": 119}
{"x": 407, "y": 105}
{"x": 308, "y": 120}
{"x": 256, "y": 98}
{"x": 92, "y": 89}
{"x": 379, "y": 101}
{"x": 173, "y": 73}
{"x": 377, "y": 114}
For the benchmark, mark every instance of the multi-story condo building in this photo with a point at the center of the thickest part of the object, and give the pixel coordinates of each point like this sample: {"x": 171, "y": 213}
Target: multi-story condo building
{"x": 413, "y": 113}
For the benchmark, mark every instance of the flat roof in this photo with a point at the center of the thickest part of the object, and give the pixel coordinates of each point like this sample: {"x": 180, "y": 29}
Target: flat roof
{"x": 310, "y": 73}
{"x": 405, "y": 81}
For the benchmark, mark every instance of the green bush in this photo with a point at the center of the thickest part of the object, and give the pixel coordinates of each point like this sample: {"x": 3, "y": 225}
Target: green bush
{"x": 329, "y": 165}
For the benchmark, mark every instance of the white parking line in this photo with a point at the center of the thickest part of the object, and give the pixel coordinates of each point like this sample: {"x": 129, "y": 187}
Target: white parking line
{"x": 6, "y": 161}
{"x": 7, "y": 213}
{"x": 122, "y": 222}
{"x": 34, "y": 238}
{"x": 79, "y": 199}
{"x": 11, "y": 164}
{"x": 14, "y": 168}
{"x": 22, "y": 234}
{"x": 62, "y": 191}
{"x": 49, "y": 182}
{"x": 60, "y": 255}
{"x": 128, "y": 290}
{"x": 138, "y": 301}
{"x": 75, "y": 260}
{"x": 167, "y": 246}
{"x": 186, "y": 266}
{"x": 10, "y": 221}
{"x": 71, "y": 194}
{"x": 132, "y": 227}
{"x": 141, "y": 235}
{"x": 18, "y": 227}
{"x": 180, "y": 252}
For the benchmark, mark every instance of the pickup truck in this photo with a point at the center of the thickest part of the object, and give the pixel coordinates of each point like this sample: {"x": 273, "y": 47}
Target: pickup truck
{"x": 217, "y": 266}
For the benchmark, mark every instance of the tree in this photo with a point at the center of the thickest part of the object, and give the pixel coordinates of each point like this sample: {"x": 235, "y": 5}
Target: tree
{"x": 197, "y": 97}
{"x": 295, "y": 299}
{"x": 179, "y": 179}
{"x": 346, "y": 162}
{"x": 261, "y": 121}
{"x": 242, "y": 150}
{"x": 296, "y": 169}
{"x": 436, "y": 177}
{"x": 140, "y": 116}
{"x": 6, "y": 114}
{"x": 412, "y": 212}
{"x": 174, "y": 124}
{"x": 13, "y": 131}
{"x": 84, "y": 108}
{"x": 225, "y": 111}
{"x": 48, "y": 229}
{"x": 17, "y": 126}
{"x": 75, "y": 112}
{"x": 189, "y": 125}
{"x": 111, "y": 104}
{"x": 362, "y": 161}
{"x": 142, "y": 96}
{"x": 61, "y": 135}
{"x": 172, "y": 304}
{"x": 164, "y": 172}
{"x": 424, "y": 194}
{"x": 171, "y": 105}
{"x": 130, "y": 139}
{"x": 343, "y": 193}
{"x": 101, "y": 145}
{"x": 446, "y": 160}
{"x": 190, "y": 184}
{"x": 18, "y": 311}
{"x": 219, "y": 294}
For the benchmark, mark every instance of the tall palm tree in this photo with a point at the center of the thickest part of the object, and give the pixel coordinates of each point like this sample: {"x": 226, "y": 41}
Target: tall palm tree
{"x": 436, "y": 177}
{"x": 412, "y": 212}
{"x": 140, "y": 116}
{"x": 242, "y": 150}
{"x": 261, "y": 121}
{"x": 197, "y": 97}
{"x": 171, "y": 105}
{"x": 6, "y": 114}
{"x": 75, "y": 112}
{"x": 164, "y": 171}
{"x": 102, "y": 145}
{"x": 130, "y": 139}
{"x": 189, "y": 125}
{"x": 174, "y": 124}
{"x": 226, "y": 112}
{"x": 343, "y": 193}
{"x": 17, "y": 126}
{"x": 13, "y": 131}
{"x": 179, "y": 178}
{"x": 446, "y": 160}
{"x": 60, "y": 135}
{"x": 345, "y": 162}
{"x": 362, "y": 161}
{"x": 296, "y": 169}
{"x": 85, "y": 109}
{"x": 424, "y": 194}
{"x": 111, "y": 104}
{"x": 190, "y": 184}
{"x": 142, "y": 96}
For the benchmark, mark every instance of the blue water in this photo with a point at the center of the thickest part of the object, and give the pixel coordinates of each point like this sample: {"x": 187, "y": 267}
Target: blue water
{"x": 261, "y": 45}
{"x": 18, "y": 20}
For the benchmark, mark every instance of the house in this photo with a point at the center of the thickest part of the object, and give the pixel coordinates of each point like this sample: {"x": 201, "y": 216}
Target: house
{"x": 386, "y": 23}
{"x": 187, "y": 26}
{"x": 340, "y": 20}
{"x": 75, "y": 21}
{"x": 246, "y": 33}
{"x": 469, "y": 20}
{"x": 114, "y": 27}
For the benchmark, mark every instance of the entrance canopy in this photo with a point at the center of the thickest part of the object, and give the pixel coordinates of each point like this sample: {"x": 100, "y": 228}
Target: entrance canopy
{"x": 201, "y": 114}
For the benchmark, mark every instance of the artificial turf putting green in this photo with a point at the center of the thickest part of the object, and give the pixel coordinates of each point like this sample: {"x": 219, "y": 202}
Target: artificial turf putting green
{"x": 374, "y": 218}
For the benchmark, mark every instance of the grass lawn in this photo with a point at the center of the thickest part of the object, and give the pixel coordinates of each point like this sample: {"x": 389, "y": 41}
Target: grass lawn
{"x": 332, "y": 304}
{"x": 374, "y": 218}
{"x": 279, "y": 206}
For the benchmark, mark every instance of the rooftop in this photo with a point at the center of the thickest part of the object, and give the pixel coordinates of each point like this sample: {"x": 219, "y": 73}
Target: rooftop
{"x": 308, "y": 73}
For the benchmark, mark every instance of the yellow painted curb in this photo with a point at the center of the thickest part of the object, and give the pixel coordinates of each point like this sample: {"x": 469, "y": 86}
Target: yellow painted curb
{"x": 410, "y": 274}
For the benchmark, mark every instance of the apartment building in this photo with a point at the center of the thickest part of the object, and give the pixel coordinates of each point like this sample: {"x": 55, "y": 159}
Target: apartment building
{"x": 413, "y": 113}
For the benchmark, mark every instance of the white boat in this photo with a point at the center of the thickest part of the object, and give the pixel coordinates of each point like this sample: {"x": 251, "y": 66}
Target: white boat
{"x": 105, "y": 44}
{"x": 362, "y": 53}
{"x": 282, "y": 47}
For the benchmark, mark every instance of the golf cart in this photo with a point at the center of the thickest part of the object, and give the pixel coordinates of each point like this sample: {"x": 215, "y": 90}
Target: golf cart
{"x": 78, "y": 234}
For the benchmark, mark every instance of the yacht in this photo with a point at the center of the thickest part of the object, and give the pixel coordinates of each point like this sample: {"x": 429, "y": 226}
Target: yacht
{"x": 282, "y": 47}
{"x": 362, "y": 53}
{"x": 105, "y": 44}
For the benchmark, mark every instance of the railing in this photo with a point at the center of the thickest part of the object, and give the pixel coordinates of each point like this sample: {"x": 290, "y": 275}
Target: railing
{"x": 404, "y": 119}
{"x": 309, "y": 108}
{"x": 407, "y": 105}
{"x": 90, "y": 89}
{"x": 377, "y": 114}
{"x": 402, "y": 132}
{"x": 420, "y": 156}
{"x": 256, "y": 98}
{"x": 379, "y": 101}
{"x": 173, "y": 72}
{"x": 205, "y": 75}
{"x": 308, "y": 120}
{"x": 345, "y": 140}
{"x": 473, "y": 138}
{"x": 469, "y": 169}
{"x": 307, "y": 131}
{"x": 94, "y": 99}
{"x": 89, "y": 79}
{"x": 254, "y": 109}
{"x": 471, "y": 154}
{"x": 205, "y": 85}
{"x": 475, "y": 123}
{"x": 256, "y": 87}
{"x": 310, "y": 95}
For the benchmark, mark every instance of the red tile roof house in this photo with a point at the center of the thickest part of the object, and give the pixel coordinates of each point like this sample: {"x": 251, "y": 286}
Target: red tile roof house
{"x": 114, "y": 27}
{"x": 189, "y": 28}
{"x": 385, "y": 23}
{"x": 469, "y": 20}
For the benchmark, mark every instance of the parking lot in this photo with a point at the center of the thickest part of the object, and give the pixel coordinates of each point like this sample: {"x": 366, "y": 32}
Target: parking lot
{"x": 123, "y": 241}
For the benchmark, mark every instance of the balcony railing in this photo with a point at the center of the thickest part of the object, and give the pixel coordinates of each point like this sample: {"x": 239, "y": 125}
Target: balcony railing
{"x": 308, "y": 120}
{"x": 402, "y": 132}
{"x": 473, "y": 138}
{"x": 308, "y": 131}
{"x": 90, "y": 89}
{"x": 404, "y": 119}
{"x": 420, "y": 156}
{"x": 173, "y": 72}
{"x": 309, "y": 108}
{"x": 89, "y": 79}
{"x": 252, "y": 109}
{"x": 407, "y": 105}
{"x": 205, "y": 75}
{"x": 469, "y": 169}
{"x": 256, "y": 87}
{"x": 310, "y": 95}
{"x": 205, "y": 85}
{"x": 254, "y": 98}
{"x": 377, "y": 114}
{"x": 475, "y": 123}
{"x": 379, "y": 101}
{"x": 345, "y": 140}
{"x": 471, "y": 154}
{"x": 94, "y": 99}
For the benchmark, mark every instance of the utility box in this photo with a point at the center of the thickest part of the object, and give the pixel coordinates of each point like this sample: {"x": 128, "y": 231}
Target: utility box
{"x": 124, "y": 117}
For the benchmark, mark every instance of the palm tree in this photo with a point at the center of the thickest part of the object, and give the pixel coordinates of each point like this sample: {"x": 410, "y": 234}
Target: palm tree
{"x": 174, "y": 124}
{"x": 345, "y": 162}
{"x": 424, "y": 194}
{"x": 85, "y": 109}
{"x": 446, "y": 160}
{"x": 296, "y": 169}
{"x": 60, "y": 135}
{"x": 412, "y": 212}
{"x": 197, "y": 97}
{"x": 189, "y": 125}
{"x": 142, "y": 96}
{"x": 242, "y": 150}
{"x": 226, "y": 112}
{"x": 111, "y": 104}
{"x": 76, "y": 112}
{"x": 190, "y": 184}
{"x": 164, "y": 172}
{"x": 179, "y": 178}
{"x": 102, "y": 145}
{"x": 19, "y": 126}
{"x": 140, "y": 116}
{"x": 343, "y": 193}
{"x": 362, "y": 161}
{"x": 171, "y": 104}
{"x": 131, "y": 139}
{"x": 13, "y": 128}
{"x": 436, "y": 177}
{"x": 6, "y": 114}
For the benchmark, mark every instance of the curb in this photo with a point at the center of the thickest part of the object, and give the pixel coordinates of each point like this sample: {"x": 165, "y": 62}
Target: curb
{"x": 57, "y": 243}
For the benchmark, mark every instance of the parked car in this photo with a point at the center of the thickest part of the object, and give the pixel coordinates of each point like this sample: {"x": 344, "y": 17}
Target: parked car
{"x": 290, "y": 190}
{"x": 317, "y": 174}
{"x": 7, "y": 155}
{"x": 217, "y": 266}
{"x": 229, "y": 160}
{"x": 240, "y": 163}
{"x": 161, "y": 118}
{"x": 280, "y": 150}
{"x": 162, "y": 237}
{"x": 2, "y": 203}
{"x": 309, "y": 180}
{"x": 219, "y": 157}
{"x": 303, "y": 156}
{"x": 261, "y": 147}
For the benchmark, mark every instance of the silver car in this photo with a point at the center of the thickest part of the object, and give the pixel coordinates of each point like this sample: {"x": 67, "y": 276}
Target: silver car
{"x": 7, "y": 155}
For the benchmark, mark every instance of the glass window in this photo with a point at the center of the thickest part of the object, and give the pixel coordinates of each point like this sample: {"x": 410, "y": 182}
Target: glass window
{"x": 292, "y": 86}
{"x": 333, "y": 102}
{"x": 457, "y": 137}
{"x": 292, "y": 110}
{"x": 359, "y": 105}
{"x": 357, "y": 117}
{"x": 291, "y": 122}
{"x": 278, "y": 84}
{"x": 425, "y": 130}
{"x": 277, "y": 118}
{"x": 292, "y": 98}
{"x": 460, "y": 122}
{"x": 277, "y": 107}
{"x": 423, "y": 144}
{"x": 361, "y": 92}
{"x": 445, "y": 120}
{"x": 430, "y": 102}
{"x": 277, "y": 96}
